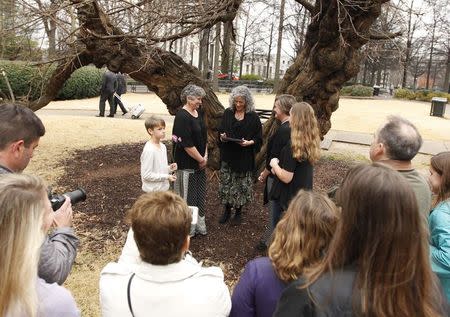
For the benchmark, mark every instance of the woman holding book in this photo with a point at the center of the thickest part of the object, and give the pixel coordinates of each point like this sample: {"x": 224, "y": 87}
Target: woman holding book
{"x": 240, "y": 136}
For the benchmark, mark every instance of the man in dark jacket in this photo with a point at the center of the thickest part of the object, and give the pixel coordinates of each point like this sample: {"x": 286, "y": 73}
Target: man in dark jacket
{"x": 109, "y": 86}
{"x": 121, "y": 89}
{"x": 20, "y": 131}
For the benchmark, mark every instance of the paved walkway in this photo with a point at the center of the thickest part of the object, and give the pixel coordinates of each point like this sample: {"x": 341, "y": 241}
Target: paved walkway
{"x": 429, "y": 147}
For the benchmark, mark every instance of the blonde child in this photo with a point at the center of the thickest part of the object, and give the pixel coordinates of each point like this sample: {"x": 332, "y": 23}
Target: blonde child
{"x": 439, "y": 218}
{"x": 155, "y": 171}
{"x": 155, "y": 176}
{"x": 293, "y": 169}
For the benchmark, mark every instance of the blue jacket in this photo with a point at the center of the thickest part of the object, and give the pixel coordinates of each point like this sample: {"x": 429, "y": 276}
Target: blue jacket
{"x": 439, "y": 223}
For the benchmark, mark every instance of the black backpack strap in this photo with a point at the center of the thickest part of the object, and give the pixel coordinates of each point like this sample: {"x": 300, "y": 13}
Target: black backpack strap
{"x": 128, "y": 294}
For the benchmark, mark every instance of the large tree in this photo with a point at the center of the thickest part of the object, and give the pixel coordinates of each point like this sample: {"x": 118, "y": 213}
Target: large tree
{"x": 329, "y": 57}
{"x": 330, "y": 54}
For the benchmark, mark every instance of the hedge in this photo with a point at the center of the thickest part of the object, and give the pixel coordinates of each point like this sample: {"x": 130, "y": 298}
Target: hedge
{"x": 85, "y": 82}
{"x": 28, "y": 81}
{"x": 420, "y": 95}
{"x": 357, "y": 91}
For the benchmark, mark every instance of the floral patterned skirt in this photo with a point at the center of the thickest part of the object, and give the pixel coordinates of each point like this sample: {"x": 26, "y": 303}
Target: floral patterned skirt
{"x": 235, "y": 188}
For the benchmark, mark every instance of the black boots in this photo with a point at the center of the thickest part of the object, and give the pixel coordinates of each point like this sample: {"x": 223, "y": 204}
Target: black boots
{"x": 226, "y": 214}
{"x": 237, "y": 216}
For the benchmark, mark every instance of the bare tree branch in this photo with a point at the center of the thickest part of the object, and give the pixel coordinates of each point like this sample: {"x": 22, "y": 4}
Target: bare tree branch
{"x": 384, "y": 36}
{"x": 308, "y": 6}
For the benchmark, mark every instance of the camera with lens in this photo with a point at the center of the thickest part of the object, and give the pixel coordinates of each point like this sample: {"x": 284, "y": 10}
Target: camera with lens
{"x": 75, "y": 197}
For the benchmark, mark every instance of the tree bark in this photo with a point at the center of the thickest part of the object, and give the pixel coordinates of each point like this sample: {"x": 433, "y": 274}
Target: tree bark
{"x": 227, "y": 34}
{"x": 445, "y": 86}
{"x": 329, "y": 58}
{"x": 330, "y": 55}
{"x": 215, "y": 79}
{"x": 430, "y": 60}
{"x": 276, "y": 80}
{"x": 163, "y": 72}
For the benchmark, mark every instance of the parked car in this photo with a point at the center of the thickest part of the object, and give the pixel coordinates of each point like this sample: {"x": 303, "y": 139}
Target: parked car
{"x": 227, "y": 76}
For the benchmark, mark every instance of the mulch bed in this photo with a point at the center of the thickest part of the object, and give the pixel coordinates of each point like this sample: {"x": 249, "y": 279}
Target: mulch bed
{"x": 111, "y": 177}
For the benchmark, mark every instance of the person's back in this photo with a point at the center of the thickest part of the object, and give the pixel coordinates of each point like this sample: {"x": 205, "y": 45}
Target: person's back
{"x": 25, "y": 215}
{"x": 378, "y": 262}
{"x": 180, "y": 289}
{"x": 395, "y": 144}
{"x": 300, "y": 239}
{"x": 421, "y": 189}
{"x": 109, "y": 83}
{"x": 165, "y": 280}
{"x": 121, "y": 84}
{"x": 55, "y": 300}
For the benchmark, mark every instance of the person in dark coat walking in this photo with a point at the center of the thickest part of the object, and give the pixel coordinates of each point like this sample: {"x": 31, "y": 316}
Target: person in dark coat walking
{"x": 121, "y": 89}
{"x": 109, "y": 86}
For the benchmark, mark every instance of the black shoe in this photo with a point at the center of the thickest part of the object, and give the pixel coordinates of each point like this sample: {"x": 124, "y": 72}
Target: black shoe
{"x": 124, "y": 113}
{"x": 110, "y": 115}
{"x": 225, "y": 216}
{"x": 237, "y": 219}
{"x": 261, "y": 246}
{"x": 99, "y": 115}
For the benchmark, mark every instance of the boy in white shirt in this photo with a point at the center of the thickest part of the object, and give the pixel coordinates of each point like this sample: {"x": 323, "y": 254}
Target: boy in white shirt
{"x": 155, "y": 176}
{"x": 155, "y": 170}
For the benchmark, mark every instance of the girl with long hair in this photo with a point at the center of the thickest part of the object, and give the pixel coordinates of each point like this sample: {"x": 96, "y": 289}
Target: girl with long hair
{"x": 300, "y": 240}
{"x": 439, "y": 218}
{"x": 293, "y": 170}
{"x": 25, "y": 216}
{"x": 377, "y": 264}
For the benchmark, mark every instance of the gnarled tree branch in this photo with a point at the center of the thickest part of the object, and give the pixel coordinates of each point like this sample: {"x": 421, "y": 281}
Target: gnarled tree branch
{"x": 308, "y": 6}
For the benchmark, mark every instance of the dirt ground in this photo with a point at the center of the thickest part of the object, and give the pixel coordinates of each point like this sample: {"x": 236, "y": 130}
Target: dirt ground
{"x": 102, "y": 155}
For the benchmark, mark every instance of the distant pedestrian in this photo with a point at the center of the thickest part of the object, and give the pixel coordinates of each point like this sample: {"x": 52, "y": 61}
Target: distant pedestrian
{"x": 109, "y": 86}
{"x": 121, "y": 89}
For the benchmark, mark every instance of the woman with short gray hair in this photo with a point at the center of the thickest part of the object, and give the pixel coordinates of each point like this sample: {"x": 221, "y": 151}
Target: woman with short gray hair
{"x": 240, "y": 135}
{"x": 190, "y": 153}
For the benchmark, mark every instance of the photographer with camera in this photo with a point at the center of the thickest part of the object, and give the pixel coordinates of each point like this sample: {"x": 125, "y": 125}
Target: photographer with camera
{"x": 20, "y": 131}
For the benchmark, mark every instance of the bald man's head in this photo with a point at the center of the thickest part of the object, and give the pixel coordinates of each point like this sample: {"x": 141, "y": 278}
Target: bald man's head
{"x": 400, "y": 138}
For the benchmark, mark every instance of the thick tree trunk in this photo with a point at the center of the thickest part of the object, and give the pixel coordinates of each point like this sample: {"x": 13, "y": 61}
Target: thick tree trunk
{"x": 226, "y": 46}
{"x": 329, "y": 58}
{"x": 164, "y": 72}
{"x": 215, "y": 80}
{"x": 276, "y": 77}
{"x": 330, "y": 55}
{"x": 446, "y": 86}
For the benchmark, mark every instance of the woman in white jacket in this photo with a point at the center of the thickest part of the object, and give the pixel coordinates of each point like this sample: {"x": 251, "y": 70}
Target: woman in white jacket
{"x": 163, "y": 281}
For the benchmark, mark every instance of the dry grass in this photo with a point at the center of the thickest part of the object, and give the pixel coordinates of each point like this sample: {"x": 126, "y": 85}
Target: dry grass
{"x": 84, "y": 277}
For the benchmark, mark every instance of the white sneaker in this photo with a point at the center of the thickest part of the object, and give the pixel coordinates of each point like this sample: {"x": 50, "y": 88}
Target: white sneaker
{"x": 201, "y": 226}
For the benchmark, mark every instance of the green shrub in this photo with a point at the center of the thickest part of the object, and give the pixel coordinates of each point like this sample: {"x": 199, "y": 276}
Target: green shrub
{"x": 250, "y": 77}
{"x": 85, "y": 82}
{"x": 425, "y": 95}
{"x": 357, "y": 91}
{"x": 25, "y": 80}
{"x": 28, "y": 81}
{"x": 269, "y": 82}
{"x": 402, "y": 93}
